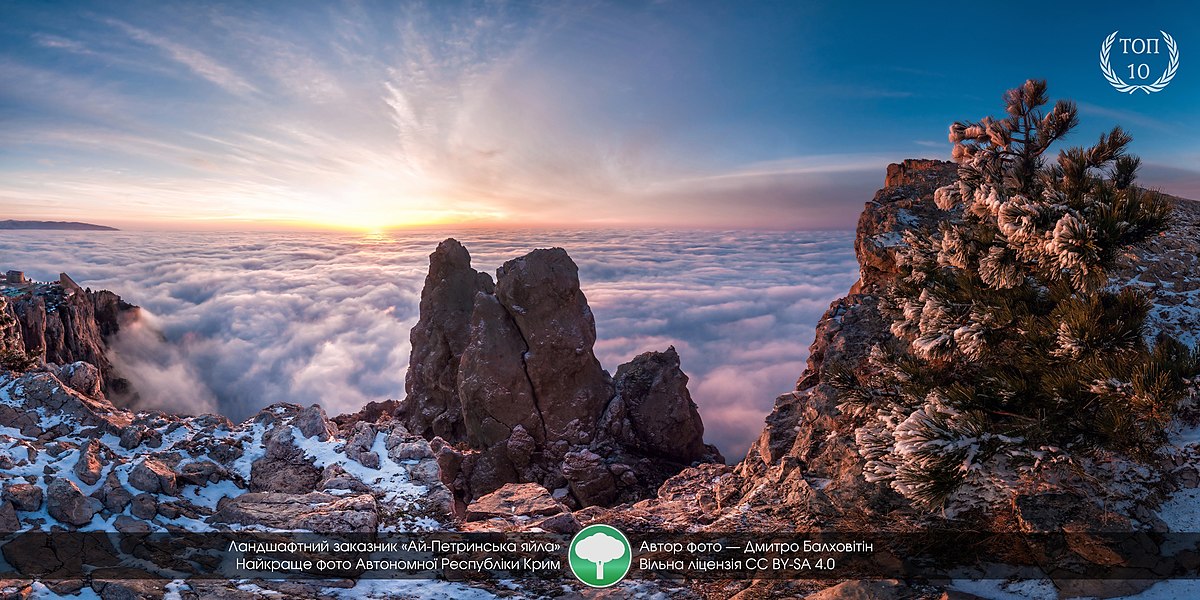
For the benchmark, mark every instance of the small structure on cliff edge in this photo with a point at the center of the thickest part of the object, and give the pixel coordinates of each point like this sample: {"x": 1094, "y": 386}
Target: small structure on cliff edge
{"x": 506, "y": 371}
{"x": 61, "y": 322}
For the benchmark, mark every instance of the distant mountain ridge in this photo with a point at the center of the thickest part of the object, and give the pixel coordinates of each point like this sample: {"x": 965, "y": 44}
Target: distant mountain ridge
{"x": 66, "y": 225}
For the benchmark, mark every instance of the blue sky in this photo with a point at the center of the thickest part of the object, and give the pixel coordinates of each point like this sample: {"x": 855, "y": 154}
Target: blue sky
{"x": 691, "y": 114}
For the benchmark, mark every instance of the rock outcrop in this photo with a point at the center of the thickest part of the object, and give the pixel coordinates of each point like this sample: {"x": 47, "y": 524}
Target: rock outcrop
{"x": 61, "y": 323}
{"x": 438, "y": 340}
{"x": 532, "y": 403}
{"x": 805, "y": 466}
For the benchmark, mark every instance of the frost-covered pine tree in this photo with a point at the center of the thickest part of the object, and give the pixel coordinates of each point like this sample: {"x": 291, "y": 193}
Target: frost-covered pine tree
{"x": 1012, "y": 344}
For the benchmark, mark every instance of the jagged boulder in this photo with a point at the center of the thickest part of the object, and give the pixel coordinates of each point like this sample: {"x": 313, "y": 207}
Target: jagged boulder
{"x": 358, "y": 447}
{"x": 313, "y": 423}
{"x": 152, "y": 476}
{"x": 87, "y": 468}
{"x": 114, "y": 495}
{"x": 82, "y": 377}
{"x": 283, "y": 467}
{"x": 432, "y": 407}
{"x": 144, "y": 506}
{"x": 8, "y": 518}
{"x": 24, "y": 496}
{"x": 66, "y": 503}
{"x": 653, "y": 412}
{"x": 590, "y": 479}
{"x": 515, "y": 500}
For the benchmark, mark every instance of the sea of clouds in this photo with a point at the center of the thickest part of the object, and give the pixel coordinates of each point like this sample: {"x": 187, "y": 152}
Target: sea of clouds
{"x": 237, "y": 321}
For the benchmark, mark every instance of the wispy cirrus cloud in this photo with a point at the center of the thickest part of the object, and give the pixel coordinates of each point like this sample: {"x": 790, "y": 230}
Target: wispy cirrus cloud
{"x": 196, "y": 61}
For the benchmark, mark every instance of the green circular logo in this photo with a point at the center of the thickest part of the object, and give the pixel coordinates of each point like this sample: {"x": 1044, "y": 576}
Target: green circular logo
{"x": 600, "y": 555}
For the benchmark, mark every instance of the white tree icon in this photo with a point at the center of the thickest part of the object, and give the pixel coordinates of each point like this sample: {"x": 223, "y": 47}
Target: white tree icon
{"x": 600, "y": 548}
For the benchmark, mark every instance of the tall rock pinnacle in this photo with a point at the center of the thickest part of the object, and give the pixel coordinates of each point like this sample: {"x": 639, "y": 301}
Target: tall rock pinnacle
{"x": 438, "y": 340}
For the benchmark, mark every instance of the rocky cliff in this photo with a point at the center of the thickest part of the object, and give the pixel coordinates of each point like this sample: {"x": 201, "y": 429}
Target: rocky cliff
{"x": 495, "y": 435}
{"x": 504, "y": 381}
{"x": 60, "y": 323}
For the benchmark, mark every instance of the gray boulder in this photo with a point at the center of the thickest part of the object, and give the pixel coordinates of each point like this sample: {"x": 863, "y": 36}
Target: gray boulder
{"x": 66, "y": 503}
{"x": 88, "y": 466}
{"x": 24, "y": 496}
{"x": 152, "y": 476}
{"x": 312, "y": 422}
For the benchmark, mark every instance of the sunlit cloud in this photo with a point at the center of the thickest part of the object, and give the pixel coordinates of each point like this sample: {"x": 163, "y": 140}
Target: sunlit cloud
{"x": 252, "y": 319}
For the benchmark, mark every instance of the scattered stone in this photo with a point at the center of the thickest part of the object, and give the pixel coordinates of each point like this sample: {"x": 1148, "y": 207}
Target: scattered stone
{"x": 564, "y": 523}
{"x": 359, "y": 446}
{"x": 114, "y": 495}
{"x": 402, "y": 447}
{"x": 201, "y": 473}
{"x": 336, "y": 478}
{"x": 128, "y": 524}
{"x": 131, "y": 437}
{"x": 590, "y": 480}
{"x": 8, "y": 518}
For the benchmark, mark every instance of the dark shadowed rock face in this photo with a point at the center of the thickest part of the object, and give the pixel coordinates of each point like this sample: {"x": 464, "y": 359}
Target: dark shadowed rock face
{"x": 533, "y": 401}
{"x": 541, "y": 292}
{"x": 492, "y": 381}
{"x": 63, "y": 323}
{"x": 806, "y": 460}
{"x": 653, "y": 411}
{"x": 438, "y": 340}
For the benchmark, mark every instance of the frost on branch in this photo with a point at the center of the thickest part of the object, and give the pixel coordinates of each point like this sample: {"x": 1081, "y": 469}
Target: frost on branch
{"x": 1008, "y": 340}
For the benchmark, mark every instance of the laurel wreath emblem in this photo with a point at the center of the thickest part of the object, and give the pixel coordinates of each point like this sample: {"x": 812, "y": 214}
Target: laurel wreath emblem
{"x": 1158, "y": 85}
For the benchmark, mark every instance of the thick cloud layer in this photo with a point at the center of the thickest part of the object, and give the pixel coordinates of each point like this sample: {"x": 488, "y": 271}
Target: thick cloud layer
{"x": 250, "y": 319}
